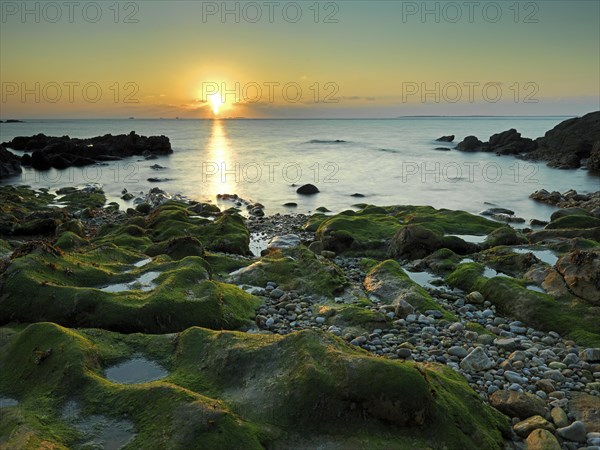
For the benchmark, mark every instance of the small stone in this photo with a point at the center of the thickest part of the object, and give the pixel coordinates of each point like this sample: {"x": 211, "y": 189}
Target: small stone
{"x": 590, "y": 355}
{"x": 320, "y": 320}
{"x": 514, "y": 377}
{"x": 559, "y": 417}
{"x": 541, "y": 439}
{"x": 574, "y": 432}
{"x": 276, "y": 293}
{"x": 404, "y": 353}
{"x": 554, "y": 375}
{"x": 459, "y": 352}
{"x": 476, "y": 298}
{"x": 360, "y": 340}
{"x": 476, "y": 361}
{"x": 456, "y": 327}
{"x": 526, "y": 426}
{"x": 518, "y": 404}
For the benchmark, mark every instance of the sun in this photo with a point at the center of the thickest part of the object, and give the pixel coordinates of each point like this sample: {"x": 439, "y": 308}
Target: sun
{"x": 216, "y": 102}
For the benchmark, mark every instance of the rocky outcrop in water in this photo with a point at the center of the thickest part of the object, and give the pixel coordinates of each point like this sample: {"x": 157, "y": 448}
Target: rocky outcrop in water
{"x": 508, "y": 142}
{"x": 571, "y": 144}
{"x": 10, "y": 164}
{"x": 63, "y": 152}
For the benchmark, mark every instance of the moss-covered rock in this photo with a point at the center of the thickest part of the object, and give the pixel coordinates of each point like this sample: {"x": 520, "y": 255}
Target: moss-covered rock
{"x": 391, "y": 284}
{"x": 81, "y": 198}
{"x": 572, "y": 318}
{"x": 574, "y": 222}
{"x": 367, "y": 230}
{"x": 234, "y": 390}
{"x": 504, "y": 236}
{"x": 102, "y": 288}
{"x": 69, "y": 241}
{"x": 177, "y": 248}
{"x": 293, "y": 269}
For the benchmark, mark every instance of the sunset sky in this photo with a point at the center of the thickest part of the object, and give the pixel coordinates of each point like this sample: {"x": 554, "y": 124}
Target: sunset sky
{"x": 375, "y": 61}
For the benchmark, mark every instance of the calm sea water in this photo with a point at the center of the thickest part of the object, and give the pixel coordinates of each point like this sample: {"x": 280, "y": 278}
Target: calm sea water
{"x": 388, "y": 161}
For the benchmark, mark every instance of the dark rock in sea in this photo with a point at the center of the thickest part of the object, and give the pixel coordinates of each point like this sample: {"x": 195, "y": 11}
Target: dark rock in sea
{"x": 538, "y": 223}
{"x": 14, "y": 121}
{"x": 40, "y": 161}
{"x": 59, "y": 151}
{"x": 127, "y": 196}
{"x": 10, "y": 164}
{"x": 446, "y": 138}
{"x": 158, "y": 180}
{"x": 308, "y": 189}
{"x": 569, "y": 142}
{"x": 470, "y": 144}
{"x": 290, "y": 204}
{"x": 59, "y": 162}
{"x": 157, "y": 167}
{"x": 510, "y": 142}
{"x": 593, "y": 162}
{"x": 492, "y": 211}
{"x": 443, "y": 149}
{"x": 357, "y": 194}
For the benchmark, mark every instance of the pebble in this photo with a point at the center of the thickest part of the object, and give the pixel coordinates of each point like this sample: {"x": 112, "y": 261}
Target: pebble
{"x": 574, "y": 432}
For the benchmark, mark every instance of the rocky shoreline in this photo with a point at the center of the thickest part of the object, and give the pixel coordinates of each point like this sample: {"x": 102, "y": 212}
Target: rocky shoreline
{"x": 572, "y": 144}
{"x": 499, "y": 321}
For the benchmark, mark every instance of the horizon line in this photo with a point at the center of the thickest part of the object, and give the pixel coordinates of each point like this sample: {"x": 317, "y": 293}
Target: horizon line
{"x": 24, "y": 120}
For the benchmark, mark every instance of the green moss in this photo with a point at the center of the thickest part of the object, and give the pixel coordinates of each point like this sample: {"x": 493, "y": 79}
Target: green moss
{"x": 222, "y": 265}
{"x": 69, "y": 241}
{"x": 361, "y": 317}
{"x": 573, "y": 221}
{"x": 65, "y": 289}
{"x": 227, "y": 233}
{"x": 367, "y": 229}
{"x": 234, "y": 390}
{"x": 294, "y": 269}
{"x": 572, "y": 317}
{"x": 505, "y": 236}
{"x": 387, "y": 280}
{"x": 78, "y": 199}
{"x": 445, "y": 221}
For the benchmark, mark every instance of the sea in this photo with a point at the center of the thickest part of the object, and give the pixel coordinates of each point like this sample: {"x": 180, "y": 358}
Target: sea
{"x": 381, "y": 162}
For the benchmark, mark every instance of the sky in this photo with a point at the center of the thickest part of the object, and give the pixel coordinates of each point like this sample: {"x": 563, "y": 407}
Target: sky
{"x": 305, "y": 59}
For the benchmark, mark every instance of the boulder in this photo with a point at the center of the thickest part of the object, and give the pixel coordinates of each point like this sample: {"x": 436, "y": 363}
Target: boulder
{"x": 476, "y": 361}
{"x": 10, "y": 164}
{"x": 524, "y": 427}
{"x": 593, "y": 162}
{"x": 586, "y": 409}
{"x": 510, "y": 142}
{"x": 574, "y": 432}
{"x": 541, "y": 439}
{"x": 308, "y": 189}
{"x": 569, "y": 142}
{"x": 581, "y": 272}
{"x": 518, "y": 404}
{"x": 449, "y": 138}
{"x": 414, "y": 242}
{"x": 470, "y": 144}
